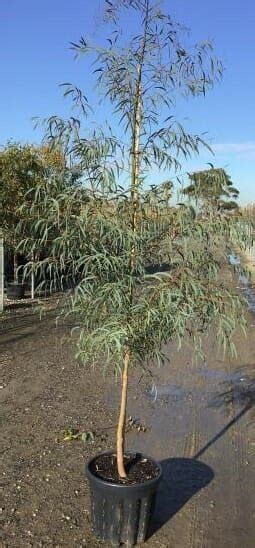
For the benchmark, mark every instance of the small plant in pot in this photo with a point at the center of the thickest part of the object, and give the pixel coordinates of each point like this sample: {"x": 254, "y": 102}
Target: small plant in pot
{"x": 148, "y": 271}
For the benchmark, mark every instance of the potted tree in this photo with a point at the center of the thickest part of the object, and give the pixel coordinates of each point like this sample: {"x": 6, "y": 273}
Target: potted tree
{"x": 148, "y": 270}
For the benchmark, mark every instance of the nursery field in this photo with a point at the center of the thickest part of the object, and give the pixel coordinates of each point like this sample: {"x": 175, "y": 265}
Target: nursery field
{"x": 198, "y": 421}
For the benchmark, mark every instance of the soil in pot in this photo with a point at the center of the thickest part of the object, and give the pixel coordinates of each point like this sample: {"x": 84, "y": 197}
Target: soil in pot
{"x": 139, "y": 469}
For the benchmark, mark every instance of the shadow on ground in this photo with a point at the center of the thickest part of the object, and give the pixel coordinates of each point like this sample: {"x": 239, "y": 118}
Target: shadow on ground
{"x": 16, "y": 305}
{"x": 240, "y": 391}
{"x": 182, "y": 479}
{"x": 11, "y": 340}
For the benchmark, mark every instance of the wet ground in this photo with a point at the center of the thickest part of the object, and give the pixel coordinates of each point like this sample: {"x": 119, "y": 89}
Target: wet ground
{"x": 199, "y": 419}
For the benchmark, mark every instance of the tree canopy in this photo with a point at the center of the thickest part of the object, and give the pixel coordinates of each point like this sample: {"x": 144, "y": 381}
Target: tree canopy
{"x": 148, "y": 272}
{"x": 213, "y": 187}
{"x": 22, "y": 168}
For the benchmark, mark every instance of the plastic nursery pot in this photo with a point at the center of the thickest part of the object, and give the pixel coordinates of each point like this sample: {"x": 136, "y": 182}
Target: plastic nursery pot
{"x": 120, "y": 514}
{"x": 15, "y": 291}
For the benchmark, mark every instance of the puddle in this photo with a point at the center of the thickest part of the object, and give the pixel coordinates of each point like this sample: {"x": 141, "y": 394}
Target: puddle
{"x": 222, "y": 376}
{"x": 234, "y": 260}
{"x": 167, "y": 395}
{"x": 167, "y": 392}
{"x": 246, "y": 284}
{"x": 170, "y": 394}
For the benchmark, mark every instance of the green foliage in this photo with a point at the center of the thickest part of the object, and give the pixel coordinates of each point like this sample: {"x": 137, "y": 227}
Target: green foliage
{"x": 249, "y": 214}
{"x": 147, "y": 272}
{"x": 23, "y": 168}
{"x": 176, "y": 285}
{"x": 169, "y": 67}
{"x": 213, "y": 189}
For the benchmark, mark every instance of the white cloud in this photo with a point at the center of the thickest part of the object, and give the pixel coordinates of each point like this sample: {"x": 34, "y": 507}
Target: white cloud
{"x": 241, "y": 150}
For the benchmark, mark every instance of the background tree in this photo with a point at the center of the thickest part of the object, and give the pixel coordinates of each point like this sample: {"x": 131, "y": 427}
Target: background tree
{"x": 22, "y": 169}
{"x": 213, "y": 188}
{"x": 249, "y": 212}
{"x": 125, "y": 313}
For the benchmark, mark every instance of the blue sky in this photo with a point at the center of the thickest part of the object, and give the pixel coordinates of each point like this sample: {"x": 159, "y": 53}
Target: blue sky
{"x": 35, "y": 58}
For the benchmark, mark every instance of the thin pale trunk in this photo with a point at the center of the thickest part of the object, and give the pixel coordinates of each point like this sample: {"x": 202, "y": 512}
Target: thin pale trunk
{"x": 15, "y": 267}
{"x": 32, "y": 285}
{"x": 1, "y": 273}
{"x": 32, "y": 280}
{"x": 122, "y": 418}
{"x": 134, "y": 200}
{"x": 135, "y": 172}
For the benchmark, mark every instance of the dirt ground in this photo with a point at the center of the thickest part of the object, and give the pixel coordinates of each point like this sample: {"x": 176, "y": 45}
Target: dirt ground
{"x": 204, "y": 438}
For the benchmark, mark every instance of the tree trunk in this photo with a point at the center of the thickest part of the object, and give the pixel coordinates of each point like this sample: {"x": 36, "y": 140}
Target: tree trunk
{"x": 15, "y": 267}
{"x": 1, "y": 273}
{"x": 122, "y": 417}
{"x": 32, "y": 284}
{"x": 33, "y": 277}
{"x": 135, "y": 172}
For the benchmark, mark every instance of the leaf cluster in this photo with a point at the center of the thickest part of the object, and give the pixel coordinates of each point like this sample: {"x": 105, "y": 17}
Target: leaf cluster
{"x": 176, "y": 288}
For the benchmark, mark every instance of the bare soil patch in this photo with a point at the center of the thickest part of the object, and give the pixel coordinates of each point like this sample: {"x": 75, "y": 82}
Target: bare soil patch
{"x": 206, "y": 445}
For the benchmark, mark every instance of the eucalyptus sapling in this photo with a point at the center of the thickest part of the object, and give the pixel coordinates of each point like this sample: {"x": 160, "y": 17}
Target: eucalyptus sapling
{"x": 145, "y": 271}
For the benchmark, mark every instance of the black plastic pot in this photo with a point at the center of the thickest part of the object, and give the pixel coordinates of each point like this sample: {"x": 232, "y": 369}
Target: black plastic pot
{"x": 15, "y": 291}
{"x": 120, "y": 514}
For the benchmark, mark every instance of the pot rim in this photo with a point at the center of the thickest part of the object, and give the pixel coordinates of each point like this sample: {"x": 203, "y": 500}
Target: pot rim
{"x": 133, "y": 486}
